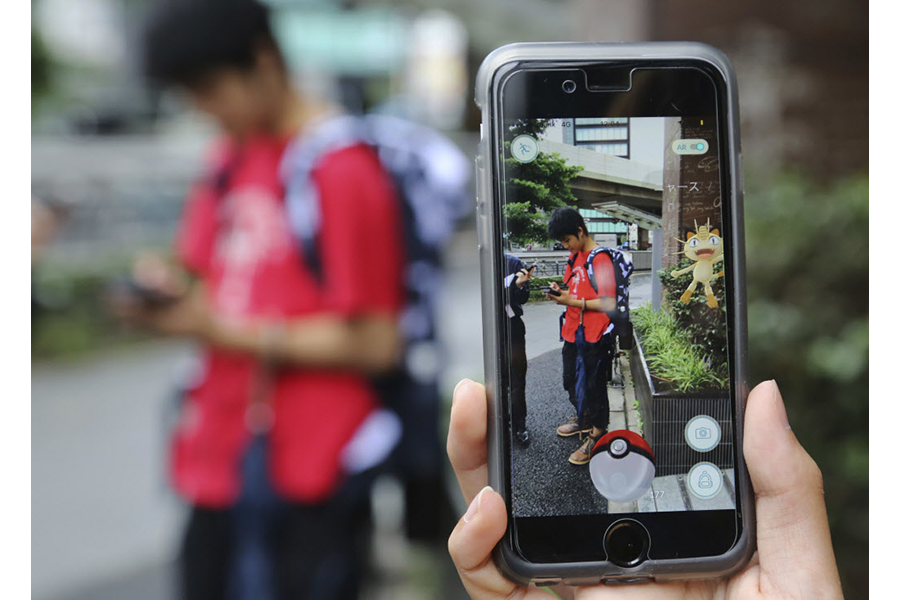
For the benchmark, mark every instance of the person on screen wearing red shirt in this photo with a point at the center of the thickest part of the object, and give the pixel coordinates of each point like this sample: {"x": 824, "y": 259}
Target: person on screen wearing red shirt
{"x": 584, "y": 305}
{"x": 285, "y": 382}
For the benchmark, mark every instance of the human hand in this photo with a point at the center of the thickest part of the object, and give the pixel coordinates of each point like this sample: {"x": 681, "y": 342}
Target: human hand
{"x": 524, "y": 275}
{"x": 158, "y": 297}
{"x": 564, "y": 297}
{"x": 794, "y": 557}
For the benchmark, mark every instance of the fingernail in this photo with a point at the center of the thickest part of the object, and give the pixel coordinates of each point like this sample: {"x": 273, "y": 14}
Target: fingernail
{"x": 474, "y": 505}
{"x": 779, "y": 406}
{"x": 461, "y": 383}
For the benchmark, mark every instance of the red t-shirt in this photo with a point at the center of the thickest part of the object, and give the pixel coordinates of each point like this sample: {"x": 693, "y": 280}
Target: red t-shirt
{"x": 238, "y": 242}
{"x": 595, "y": 322}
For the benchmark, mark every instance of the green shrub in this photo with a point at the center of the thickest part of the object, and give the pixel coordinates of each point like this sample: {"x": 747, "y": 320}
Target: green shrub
{"x": 71, "y": 317}
{"x": 671, "y": 354}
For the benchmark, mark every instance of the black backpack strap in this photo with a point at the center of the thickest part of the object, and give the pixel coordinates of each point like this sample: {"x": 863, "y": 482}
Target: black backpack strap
{"x": 571, "y": 263}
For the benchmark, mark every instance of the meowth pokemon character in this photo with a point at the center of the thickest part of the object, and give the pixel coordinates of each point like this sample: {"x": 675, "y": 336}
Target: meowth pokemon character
{"x": 705, "y": 248}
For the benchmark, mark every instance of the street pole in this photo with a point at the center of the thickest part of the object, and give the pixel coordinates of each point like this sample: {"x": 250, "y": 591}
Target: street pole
{"x": 655, "y": 266}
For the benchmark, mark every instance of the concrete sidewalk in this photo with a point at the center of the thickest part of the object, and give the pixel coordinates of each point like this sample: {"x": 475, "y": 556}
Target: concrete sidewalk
{"x": 101, "y": 507}
{"x": 542, "y": 470}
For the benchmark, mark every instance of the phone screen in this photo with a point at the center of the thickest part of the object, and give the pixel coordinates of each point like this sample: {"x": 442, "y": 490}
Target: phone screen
{"x": 617, "y": 391}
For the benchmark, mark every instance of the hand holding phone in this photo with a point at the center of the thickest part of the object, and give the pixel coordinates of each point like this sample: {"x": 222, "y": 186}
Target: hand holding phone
{"x": 550, "y": 291}
{"x": 152, "y": 285}
{"x": 798, "y": 545}
{"x": 557, "y": 294}
{"x": 128, "y": 289}
{"x": 524, "y": 275}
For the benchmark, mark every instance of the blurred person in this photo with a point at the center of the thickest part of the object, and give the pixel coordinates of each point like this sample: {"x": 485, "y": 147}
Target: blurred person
{"x": 272, "y": 451}
{"x": 586, "y": 330}
{"x": 48, "y": 216}
{"x": 518, "y": 292}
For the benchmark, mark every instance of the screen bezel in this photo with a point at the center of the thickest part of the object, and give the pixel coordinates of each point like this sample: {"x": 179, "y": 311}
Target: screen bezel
{"x": 652, "y": 88}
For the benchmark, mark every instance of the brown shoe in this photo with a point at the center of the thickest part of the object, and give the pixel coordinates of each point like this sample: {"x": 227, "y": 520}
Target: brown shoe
{"x": 571, "y": 427}
{"x": 582, "y": 456}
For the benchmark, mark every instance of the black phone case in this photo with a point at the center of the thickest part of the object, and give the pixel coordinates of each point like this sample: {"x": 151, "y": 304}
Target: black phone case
{"x": 499, "y": 63}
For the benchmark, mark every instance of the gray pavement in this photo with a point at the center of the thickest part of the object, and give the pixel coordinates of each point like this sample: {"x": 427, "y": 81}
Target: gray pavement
{"x": 100, "y": 507}
{"x": 544, "y": 481}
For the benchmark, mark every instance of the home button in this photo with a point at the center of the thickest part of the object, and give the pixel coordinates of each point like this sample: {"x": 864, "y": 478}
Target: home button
{"x": 626, "y": 543}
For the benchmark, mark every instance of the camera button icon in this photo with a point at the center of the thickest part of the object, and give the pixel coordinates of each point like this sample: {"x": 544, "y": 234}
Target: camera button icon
{"x": 702, "y": 433}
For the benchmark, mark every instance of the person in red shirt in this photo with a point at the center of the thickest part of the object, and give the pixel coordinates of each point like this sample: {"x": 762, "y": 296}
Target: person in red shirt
{"x": 288, "y": 359}
{"x": 588, "y": 308}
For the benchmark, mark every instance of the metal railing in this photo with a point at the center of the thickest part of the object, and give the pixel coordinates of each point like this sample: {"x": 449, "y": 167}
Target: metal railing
{"x": 555, "y": 267}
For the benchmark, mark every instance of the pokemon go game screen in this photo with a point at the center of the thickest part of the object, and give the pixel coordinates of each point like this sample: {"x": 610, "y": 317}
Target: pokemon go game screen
{"x": 617, "y": 379}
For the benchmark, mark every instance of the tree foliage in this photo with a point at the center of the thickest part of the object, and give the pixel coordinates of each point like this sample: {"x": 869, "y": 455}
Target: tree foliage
{"x": 808, "y": 293}
{"x": 535, "y": 188}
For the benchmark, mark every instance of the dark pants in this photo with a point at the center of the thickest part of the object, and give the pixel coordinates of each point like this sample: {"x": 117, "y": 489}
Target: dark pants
{"x": 597, "y": 357}
{"x": 315, "y": 552}
{"x": 518, "y": 368}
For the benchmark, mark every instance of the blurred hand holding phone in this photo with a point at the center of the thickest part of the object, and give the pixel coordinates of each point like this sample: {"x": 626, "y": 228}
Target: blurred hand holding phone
{"x": 156, "y": 294}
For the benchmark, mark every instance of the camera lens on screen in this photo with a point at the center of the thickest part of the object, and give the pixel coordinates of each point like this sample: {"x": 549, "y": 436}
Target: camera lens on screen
{"x": 568, "y": 86}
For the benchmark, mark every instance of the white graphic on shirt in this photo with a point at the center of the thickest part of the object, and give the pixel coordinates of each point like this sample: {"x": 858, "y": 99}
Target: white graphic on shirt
{"x": 578, "y": 275}
{"x": 254, "y": 233}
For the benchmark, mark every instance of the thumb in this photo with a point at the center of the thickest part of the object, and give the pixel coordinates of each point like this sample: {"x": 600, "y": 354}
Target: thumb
{"x": 795, "y": 553}
{"x": 471, "y": 543}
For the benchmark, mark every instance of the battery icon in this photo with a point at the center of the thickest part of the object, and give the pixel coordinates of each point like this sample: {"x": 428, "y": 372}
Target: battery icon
{"x": 690, "y": 146}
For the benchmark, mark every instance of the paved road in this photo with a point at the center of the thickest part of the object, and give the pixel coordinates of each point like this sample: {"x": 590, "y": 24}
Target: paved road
{"x": 100, "y": 507}
{"x": 544, "y": 481}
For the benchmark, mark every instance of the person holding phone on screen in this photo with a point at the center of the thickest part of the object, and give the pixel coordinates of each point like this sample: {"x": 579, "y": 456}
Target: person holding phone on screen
{"x": 585, "y": 330}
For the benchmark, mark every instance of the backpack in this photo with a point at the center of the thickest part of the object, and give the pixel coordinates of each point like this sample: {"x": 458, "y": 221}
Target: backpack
{"x": 430, "y": 174}
{"x": 431, "y": 177}
{"x": 623, "y": 267}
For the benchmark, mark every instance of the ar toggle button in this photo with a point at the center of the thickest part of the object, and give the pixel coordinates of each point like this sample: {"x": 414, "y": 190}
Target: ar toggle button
{"x": 690, "y": 146}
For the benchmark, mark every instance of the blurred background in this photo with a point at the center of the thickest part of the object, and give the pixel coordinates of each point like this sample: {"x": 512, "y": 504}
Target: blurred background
{"x": 112, "y": 158}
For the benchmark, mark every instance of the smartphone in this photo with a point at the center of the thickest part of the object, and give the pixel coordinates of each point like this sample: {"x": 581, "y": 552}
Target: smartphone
{"x": 551, "y": 291}
{"x": 634, "y": 469}
{"x": 127, "y": 287}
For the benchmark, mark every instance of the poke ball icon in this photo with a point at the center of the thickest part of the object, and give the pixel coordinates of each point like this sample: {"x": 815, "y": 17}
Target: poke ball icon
{"x": 622, "y": 467}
